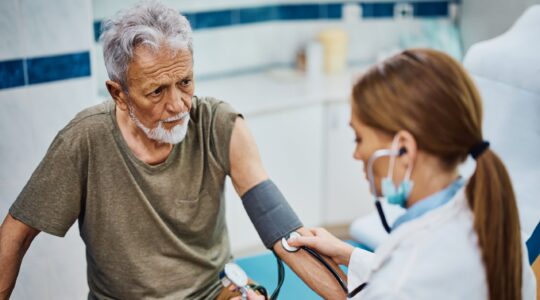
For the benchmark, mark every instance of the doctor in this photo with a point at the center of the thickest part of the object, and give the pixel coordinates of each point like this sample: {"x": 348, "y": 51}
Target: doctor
{"x": 416, "y": 117}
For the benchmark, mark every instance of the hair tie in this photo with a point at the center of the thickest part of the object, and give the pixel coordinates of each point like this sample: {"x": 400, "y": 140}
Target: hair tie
{"x": 477, "y": 150}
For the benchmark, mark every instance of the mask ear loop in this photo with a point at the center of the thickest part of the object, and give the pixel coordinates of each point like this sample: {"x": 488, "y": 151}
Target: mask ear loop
{"x": 392, "y": 162}
{"x": 409, "y": 168}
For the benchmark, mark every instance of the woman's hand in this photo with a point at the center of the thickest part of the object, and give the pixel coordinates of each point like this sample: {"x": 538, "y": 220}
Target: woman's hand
{"x": 325, "y": 243}
{"x": 251, "y": 295}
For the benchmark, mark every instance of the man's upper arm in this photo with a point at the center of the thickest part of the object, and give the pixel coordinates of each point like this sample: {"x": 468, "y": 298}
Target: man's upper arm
{"x": 246, "y": 166}
{"x": 247, "y": 171}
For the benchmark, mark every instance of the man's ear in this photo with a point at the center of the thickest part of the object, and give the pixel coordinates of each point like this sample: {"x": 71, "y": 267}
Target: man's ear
{"x": 406, "y": 140}
{"x": 118, "y": 94}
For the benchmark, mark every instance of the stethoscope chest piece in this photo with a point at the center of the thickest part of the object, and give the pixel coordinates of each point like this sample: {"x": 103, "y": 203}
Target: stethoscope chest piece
{"x": 235, "y": 274}
{"x": 286, "y": 245}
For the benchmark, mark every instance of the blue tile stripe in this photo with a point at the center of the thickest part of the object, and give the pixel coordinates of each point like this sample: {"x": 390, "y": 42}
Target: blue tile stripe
{"x": 533, "y": 244}
{"x": 44, "y": 69}
{"x": 378, "y": 10}
{"x": 11, "y": 73}
{"x": 430, "y": 9}
{"x": 306, "y": 11}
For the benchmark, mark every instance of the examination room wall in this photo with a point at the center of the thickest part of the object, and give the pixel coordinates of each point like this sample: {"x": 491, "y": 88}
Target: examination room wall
{"x": 45, "y": 79}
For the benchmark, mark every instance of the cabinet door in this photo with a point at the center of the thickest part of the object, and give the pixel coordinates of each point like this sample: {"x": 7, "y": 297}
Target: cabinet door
{"x": 347, "y": 193}
{"x": 291, "y": 147}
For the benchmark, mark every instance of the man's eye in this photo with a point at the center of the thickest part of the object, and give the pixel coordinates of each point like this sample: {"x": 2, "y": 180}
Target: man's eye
{"x": 185, "y": 82}
{"x": 358, "y": 140}
{"x": 157, "y": 91}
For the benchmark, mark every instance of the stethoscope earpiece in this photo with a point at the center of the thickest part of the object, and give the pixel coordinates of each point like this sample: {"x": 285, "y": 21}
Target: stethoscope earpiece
{"x": 402, "y": 151}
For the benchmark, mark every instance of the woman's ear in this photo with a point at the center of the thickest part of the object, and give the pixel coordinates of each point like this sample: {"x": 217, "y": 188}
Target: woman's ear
{"x": 407, "y": 142}
{"x": 118, "y": 94}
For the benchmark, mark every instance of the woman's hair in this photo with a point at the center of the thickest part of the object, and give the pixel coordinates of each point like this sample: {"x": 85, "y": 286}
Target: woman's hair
{"x": 429, "y": 94}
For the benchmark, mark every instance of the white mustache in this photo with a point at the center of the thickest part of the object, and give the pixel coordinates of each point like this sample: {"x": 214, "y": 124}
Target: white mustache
{"x": 180, "y": 116}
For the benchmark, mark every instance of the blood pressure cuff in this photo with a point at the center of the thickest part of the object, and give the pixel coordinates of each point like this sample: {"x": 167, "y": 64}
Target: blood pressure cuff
{"x": 270, "y": 213}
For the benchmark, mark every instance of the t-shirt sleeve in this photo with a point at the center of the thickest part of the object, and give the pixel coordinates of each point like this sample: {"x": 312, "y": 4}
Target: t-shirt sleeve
{"x": 224, "y": 117}
{"x": 51, "y": 200}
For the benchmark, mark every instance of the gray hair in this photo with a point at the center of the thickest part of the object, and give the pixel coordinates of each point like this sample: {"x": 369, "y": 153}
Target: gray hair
{"x": 149, "y": 23}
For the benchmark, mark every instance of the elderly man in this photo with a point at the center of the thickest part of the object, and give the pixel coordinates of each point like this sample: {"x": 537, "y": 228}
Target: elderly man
{"x": 144, "y": 176}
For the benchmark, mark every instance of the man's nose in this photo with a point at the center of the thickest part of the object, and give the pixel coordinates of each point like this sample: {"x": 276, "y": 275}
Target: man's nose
{"x": 175, "y": 103}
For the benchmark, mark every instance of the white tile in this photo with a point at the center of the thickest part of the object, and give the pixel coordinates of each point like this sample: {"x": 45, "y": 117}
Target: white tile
{"x": 30, "y": 117}
{"x": 100, "y": 72}
{"x": 17, "y": 142}
{"x": 103, "y": 9}
{"x": 233, "y": 48}
{"x": 61, "y": 261}
{"x": 370, "y": 37}
{"x": 57, "y": 27}
{"x": 10, "y": 34}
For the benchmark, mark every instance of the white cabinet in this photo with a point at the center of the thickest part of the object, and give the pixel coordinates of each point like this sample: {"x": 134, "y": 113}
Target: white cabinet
{"x": 346, "y": 195}
{"x": 291, "y": 147}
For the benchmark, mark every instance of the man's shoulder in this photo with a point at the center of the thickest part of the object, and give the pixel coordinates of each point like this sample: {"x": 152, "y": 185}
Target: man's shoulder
{"x": 94, "y": 113}
{"x": 206, "y": 102}
{"x": 91, "y": 118}
{"x": 209, "y": 107}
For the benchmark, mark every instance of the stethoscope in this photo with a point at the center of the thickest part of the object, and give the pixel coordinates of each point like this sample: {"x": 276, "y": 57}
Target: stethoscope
{"x": 240, "y": 279}
{"x": 232, "y": 273}
{"x": 318, "y": 257}
{"x": 376, "y": 155}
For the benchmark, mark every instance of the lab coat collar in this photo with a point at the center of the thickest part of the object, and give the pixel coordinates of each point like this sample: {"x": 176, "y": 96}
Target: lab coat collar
{"x": 431, "y": 202}
{"x": 431, "y": 218}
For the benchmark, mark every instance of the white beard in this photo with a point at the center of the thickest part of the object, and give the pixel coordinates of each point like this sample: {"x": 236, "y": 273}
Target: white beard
{"x": 173, "y": 136}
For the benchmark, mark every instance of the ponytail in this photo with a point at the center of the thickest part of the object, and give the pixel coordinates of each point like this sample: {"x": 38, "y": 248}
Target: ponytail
{"x": 496, "y": 221}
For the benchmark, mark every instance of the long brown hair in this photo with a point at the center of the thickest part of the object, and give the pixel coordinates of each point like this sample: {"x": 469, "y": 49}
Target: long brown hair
{"x": 429, "y": 94}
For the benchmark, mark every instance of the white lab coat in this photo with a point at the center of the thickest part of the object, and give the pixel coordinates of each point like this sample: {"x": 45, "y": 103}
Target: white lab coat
{"x": 435, "y": 256}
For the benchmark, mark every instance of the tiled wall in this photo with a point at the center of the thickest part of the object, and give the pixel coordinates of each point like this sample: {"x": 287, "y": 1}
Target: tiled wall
{"x": 25, "y": 61}
{"x": 298, "y": 12}
{"x": 238, "y": 36}
{"x": 43, "y": 41}
{"x": 45, "y": 79}
{"x": 33, "y": 70}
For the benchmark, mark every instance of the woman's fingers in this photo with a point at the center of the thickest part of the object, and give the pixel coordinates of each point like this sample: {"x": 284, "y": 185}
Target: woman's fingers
{"x": 313, "y": 230}
{"x": 251, "y": 295}
{"x": 309, "y": 241}
{"x": 254, "y": 296}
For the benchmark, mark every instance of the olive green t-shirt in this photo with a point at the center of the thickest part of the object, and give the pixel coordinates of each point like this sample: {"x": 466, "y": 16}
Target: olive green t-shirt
{"x": 151, "y": 231}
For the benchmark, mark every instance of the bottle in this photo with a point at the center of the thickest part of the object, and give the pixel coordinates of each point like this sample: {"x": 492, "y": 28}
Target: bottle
{"x": 334, "y": 42}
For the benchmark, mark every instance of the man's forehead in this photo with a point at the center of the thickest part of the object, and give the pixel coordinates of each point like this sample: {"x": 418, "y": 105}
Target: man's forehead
{"x": 152, "y": 64}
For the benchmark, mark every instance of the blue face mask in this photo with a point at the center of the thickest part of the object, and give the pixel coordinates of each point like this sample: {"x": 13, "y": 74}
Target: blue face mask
{"x": 399, "y": 195}
{"x": 396, "y": 194}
